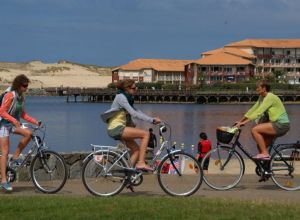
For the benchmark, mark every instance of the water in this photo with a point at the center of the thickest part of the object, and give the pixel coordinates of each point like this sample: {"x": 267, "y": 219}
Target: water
{"x": 74, "y": 126}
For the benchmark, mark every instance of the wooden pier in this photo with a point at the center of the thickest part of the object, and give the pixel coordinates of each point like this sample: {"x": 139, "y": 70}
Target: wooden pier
{"x": 166, "y": 96}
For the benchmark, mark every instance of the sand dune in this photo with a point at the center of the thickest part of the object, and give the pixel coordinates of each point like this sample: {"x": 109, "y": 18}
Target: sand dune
{"x": 63, "y": 73}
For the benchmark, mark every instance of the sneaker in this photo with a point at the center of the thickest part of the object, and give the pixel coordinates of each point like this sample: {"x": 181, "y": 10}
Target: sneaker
{"x": 15, "y": 163}
{"x": 6, "y": 186}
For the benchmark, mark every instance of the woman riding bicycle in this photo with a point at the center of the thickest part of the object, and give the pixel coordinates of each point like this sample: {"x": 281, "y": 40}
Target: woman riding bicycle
{"x": 120, "y": 125}
{"x": 11, "y": 111}
{"x": 272, "y": 116}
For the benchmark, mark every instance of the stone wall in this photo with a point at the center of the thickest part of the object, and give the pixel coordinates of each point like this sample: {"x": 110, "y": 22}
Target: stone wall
{"x": 74, "y": 163}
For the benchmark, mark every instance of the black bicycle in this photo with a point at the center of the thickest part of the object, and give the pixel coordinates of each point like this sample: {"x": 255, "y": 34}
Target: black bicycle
{"x": 48, "y": 170}
{"x": 227, "y": 166}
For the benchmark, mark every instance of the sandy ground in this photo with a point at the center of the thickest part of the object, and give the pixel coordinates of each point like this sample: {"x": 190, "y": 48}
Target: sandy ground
{"x": 56, "y": 74}
{"x": 248, "y": 189}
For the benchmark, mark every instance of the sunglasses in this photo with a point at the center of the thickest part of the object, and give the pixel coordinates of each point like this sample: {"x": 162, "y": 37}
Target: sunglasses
{"x": 25, "y": 85}
{"x": 134, "y": 88}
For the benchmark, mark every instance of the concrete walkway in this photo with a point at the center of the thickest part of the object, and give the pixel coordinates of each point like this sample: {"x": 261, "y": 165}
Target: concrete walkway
{"x": 248, "y": 189}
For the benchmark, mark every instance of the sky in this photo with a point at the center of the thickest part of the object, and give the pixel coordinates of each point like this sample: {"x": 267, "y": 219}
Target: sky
{"x": 114, "y": 32}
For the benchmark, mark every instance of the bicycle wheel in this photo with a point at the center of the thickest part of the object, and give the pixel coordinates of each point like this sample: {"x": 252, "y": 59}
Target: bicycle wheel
{"x": 49, "y": 171}
{"x": 285, "y": 168}
{"x": 179, "y": 174}
{"x": 225, "y": 170}
{"x": 102, "y": 176}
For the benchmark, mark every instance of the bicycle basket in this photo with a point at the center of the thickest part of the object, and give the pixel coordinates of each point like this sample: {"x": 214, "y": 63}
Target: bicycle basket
{"x": 224, "y": 136}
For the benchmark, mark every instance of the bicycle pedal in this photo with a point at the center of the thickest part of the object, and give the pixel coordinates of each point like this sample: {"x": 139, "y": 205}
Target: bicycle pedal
{"x": 264, "y": 179}
{"x": 129, "y": 186}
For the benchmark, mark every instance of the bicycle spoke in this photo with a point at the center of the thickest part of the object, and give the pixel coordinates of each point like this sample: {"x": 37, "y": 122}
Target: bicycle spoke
{"x": 49, "y": 173}
{"x": 285, "y": 168}
{"x": 224, "y": 168}
{"x": 105, "y": 177}
{"x": 180, "y": 174}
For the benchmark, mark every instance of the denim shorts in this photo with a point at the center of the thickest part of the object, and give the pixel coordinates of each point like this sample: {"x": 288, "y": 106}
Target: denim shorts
{"x": 116, "y": 133}
{"x": 6, "y": 130}
{"x": 281, "y": 128}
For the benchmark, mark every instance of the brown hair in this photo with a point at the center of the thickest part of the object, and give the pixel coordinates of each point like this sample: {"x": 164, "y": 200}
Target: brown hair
{"x": 264, "y": 84}
{"x": 19, "y": 81}
{"x": 126, "y": 83}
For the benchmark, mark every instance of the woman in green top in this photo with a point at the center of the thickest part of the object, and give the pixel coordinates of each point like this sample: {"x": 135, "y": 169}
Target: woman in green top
{"x": 276, "y": 122}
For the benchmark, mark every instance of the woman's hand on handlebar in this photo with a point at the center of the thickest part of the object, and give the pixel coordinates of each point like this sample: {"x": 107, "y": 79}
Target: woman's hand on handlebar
{"x": 239, "y": 124}
{"x": 156, "y": 120}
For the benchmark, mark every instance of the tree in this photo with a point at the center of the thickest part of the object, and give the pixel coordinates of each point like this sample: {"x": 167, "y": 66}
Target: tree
{"x": 279, "y": 75}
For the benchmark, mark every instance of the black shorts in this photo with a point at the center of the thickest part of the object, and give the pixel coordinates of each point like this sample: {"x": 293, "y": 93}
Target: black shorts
{"x": 206, "y": 163}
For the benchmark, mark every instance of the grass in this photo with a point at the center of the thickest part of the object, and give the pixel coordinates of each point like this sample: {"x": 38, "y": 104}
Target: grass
{"x": 141, "y": 207}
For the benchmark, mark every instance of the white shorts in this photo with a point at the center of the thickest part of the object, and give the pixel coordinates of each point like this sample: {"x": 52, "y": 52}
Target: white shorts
{"x": 6, "y": 130}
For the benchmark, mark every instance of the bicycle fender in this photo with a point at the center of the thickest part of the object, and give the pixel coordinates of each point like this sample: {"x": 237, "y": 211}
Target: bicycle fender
{"x": 95, "y": 152}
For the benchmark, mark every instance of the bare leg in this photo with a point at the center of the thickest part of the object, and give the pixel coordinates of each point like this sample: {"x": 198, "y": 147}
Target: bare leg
{"x": 134, "y": 150}
{"x": 130, "y": 134}
{"x": 260, "y": 133}
{"x": 4, "y": 141}
{"x": 23, "y": 142}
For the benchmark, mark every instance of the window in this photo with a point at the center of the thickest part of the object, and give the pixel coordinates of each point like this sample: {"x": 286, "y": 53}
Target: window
{"x": 287, "y": 60}
{"x": 288, "y": 52}
{"x": 216, "y": 69}
{"x": 240, "y": 69}
{"x": 227, "y": 69}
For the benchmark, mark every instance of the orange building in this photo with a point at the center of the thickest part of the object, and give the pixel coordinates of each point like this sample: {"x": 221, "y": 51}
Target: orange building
{"x": 152, "y": 70}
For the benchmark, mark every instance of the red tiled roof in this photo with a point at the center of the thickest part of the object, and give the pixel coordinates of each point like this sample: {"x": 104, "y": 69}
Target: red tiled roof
{"x": 267, "y": 43}
{"x": 222, "y": 59}
{"x": 230, "y": 50}
{"x": 157, "y": 64}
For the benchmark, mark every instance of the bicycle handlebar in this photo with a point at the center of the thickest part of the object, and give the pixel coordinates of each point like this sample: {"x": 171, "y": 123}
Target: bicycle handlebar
{"x": 32, "y": 127}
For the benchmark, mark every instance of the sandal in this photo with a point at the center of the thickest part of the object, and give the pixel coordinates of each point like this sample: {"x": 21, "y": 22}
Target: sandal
{"x": 144, "y": 168}
{"x": 261, "y": 157}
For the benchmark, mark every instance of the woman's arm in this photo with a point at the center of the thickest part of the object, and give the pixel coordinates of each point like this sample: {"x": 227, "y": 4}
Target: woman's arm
{"x": 123, "y": 102}
{"x": 28, "y": 118}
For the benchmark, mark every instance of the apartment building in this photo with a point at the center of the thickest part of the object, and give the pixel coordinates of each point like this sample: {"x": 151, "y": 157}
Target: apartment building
{"x": 273, "y": 55}
{"x": 152, "y": 70}
{"x": 220, "y": 65}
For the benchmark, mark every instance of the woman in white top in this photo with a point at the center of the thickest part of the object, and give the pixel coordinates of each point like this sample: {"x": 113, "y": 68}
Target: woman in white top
{"x": 120, "y": 125}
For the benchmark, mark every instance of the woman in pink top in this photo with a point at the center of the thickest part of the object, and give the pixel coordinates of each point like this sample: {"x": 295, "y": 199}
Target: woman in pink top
{"x": 11, "y": 111}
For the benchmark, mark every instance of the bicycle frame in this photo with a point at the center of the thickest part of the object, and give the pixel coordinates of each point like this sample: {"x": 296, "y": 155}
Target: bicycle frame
{"x": 259, "y": 163}
{"x": 124, "y": 154}
{"x": 37, "y": 145}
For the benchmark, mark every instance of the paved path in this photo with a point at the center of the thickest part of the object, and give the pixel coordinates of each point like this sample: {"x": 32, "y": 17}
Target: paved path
{"x": 248, "y": 189}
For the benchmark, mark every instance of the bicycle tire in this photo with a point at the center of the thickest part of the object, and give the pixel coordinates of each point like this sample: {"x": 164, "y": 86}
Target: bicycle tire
{"x": 49, "y": 173}
{"x": 222, "y": 177}
{"x": 285, "y": 168}
{"x": 184, "y": 181}
{"x": 99, "y": 183}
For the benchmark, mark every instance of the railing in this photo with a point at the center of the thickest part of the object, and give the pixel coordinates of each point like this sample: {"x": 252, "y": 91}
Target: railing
{"x": 98, "y": 91}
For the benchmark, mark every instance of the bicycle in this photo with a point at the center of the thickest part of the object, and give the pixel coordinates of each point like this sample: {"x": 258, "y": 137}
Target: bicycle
{"x": 48, "y": 170}
{"x": 227, "y": 166}
{"x": 107, "y": 170}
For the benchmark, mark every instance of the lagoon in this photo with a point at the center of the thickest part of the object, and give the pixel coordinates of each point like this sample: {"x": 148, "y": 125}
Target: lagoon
{"x": 74, "y": 126}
